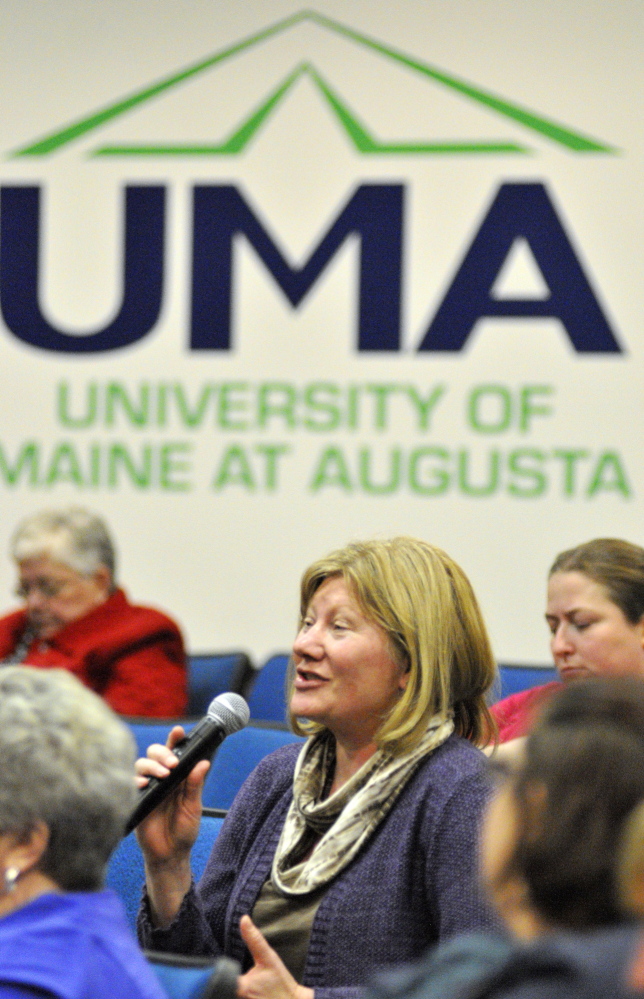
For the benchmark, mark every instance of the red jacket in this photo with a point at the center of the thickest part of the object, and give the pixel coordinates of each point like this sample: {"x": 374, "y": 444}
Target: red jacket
{"x": 132, "y": 656}
{"x": 514, "y": 714}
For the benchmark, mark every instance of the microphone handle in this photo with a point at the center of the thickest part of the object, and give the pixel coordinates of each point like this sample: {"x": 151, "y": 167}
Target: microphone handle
{"x": 200, "y": 744}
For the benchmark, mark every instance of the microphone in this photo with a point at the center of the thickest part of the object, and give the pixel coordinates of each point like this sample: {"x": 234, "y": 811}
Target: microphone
{"x": 226, "y": 714}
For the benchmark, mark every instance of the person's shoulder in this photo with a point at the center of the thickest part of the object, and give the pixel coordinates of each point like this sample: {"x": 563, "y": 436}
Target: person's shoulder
{"x": 275, "y": 771}
{"x": 530, "y": 695}
{"x": 116, "y": 965}
{"x": 514, "y": 714}
{"x": 36, "y": 942}
{"x": 15, "y": 615}
{"x": 595, "y": 953}
{"x": 455, "y": 772}
{"x": 141, "y": 613}
{"x": 117, "y": 622}
{"x": 589, "y": 965}
{"x": 456, "y": 758}
{"x": 54, "y": 912}
{"x": 13, "y": 621}
{"x": 584, "y": 965}
{"x": 450, "y": 969}
{"x": 280, "y": 761}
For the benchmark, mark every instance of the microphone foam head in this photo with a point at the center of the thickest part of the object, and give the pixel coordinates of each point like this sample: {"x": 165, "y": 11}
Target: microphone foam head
{"x": 230, "y": 711}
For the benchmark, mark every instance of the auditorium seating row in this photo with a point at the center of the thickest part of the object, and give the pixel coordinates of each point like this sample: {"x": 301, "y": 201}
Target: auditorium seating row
{"x": 195, "y": 977}
{"x": 213, "y": 674}
{"x": 240, "y": 752}
{"x": 125, "y": 873}
{"x": 237, "y": 756}
{"x": 180, "y": 977}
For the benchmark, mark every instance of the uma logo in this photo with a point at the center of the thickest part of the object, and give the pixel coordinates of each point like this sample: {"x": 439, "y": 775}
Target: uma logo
{"x": 519, "y": 213}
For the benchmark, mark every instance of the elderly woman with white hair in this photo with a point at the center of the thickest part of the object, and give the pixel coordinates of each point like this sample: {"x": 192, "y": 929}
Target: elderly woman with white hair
{"x": 75, "y": 617}
{"x": 66, "y": 791}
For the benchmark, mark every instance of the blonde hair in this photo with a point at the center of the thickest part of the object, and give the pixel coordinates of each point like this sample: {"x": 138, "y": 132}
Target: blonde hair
{"x": 425, "y": 604}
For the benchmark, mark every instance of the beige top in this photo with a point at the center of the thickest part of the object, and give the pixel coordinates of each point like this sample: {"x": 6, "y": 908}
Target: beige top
{"x": 286, "y": 922}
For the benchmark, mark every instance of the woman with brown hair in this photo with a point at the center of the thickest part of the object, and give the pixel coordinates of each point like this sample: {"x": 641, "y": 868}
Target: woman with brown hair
{"x": 595, "y": 612}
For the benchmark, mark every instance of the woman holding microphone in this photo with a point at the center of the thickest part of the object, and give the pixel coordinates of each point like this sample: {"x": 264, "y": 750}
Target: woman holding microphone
{"x": 357, "y": 850}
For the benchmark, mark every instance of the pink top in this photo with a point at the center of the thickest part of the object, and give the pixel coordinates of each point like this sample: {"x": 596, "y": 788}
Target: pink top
{"x": 514, "y": 715}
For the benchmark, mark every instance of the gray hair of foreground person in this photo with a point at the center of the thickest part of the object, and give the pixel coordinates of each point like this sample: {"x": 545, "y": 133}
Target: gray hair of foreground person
{"x": 67, "y": 762}
{"x": 425, "y": 604}
{"x": 75, "y": 537}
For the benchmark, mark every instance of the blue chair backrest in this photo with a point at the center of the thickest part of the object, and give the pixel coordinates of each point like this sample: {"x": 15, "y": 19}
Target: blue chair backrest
{"x": 147, "y": 732}
{"x": 208, "y": 832}
{"x": 182, "y": 982}
{"x": 195, "y": 978}
{"x": 517, "y": 678}
{"x": 238, "y": 754}
{"x": 214, "y": 674}
{"x": 236, "y": 757}
{"x": 125, "y": 874}
{"x": 267, "y": 697}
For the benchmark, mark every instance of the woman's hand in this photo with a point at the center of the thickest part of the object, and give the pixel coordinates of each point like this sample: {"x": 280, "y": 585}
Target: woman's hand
{"x": 167, "y": 835}
{"x": 171, "y": 829}
{"x": 268, "y": 978}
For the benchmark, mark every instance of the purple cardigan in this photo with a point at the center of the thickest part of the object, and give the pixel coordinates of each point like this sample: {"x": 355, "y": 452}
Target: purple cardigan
{"x": 413, "y": 884}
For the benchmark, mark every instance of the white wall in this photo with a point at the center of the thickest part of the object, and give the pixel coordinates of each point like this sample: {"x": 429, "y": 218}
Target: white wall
{"x": 226, "y": 561}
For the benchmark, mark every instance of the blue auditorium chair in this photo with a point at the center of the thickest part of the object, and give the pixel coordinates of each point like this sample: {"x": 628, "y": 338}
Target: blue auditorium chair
{"x": 238, "y": 754}
{"x": 195, "y": 977}
{"x": 236, "y": 757}
{"x": 147, "y": 731}
{"x": 267, "y": 696}
{"x": 517, "y": 678}
{"x": 125, "y": 873}
{"x": 215, "y": 673}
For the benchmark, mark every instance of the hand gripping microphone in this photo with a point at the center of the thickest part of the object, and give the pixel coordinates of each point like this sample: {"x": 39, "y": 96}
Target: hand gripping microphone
{"x": 227, "y": 713}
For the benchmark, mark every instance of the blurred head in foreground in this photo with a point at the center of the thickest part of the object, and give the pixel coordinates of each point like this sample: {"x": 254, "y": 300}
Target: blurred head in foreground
{"x": 553, "y": 828}
{"x": 631, "y": 883}
{"x": 66, "y": 785}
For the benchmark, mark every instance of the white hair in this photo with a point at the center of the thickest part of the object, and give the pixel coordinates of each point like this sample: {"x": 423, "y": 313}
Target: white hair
{"x": 75, "y": 537}
{"x": 67, "y": 761}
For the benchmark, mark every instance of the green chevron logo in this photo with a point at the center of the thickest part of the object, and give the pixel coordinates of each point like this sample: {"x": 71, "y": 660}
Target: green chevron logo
{"x": 357, "y": 132}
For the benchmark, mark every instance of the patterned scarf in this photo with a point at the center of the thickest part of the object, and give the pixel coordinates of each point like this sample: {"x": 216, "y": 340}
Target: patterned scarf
{"x": 346, "y": 819}
{"x": 22, "y": 648}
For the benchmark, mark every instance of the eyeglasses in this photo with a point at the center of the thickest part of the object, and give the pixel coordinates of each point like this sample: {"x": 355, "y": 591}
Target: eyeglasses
{"x": 48, "y": 588}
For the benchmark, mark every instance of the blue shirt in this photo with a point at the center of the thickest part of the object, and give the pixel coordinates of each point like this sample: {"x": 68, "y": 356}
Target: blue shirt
{"x": 74, "y": 945}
